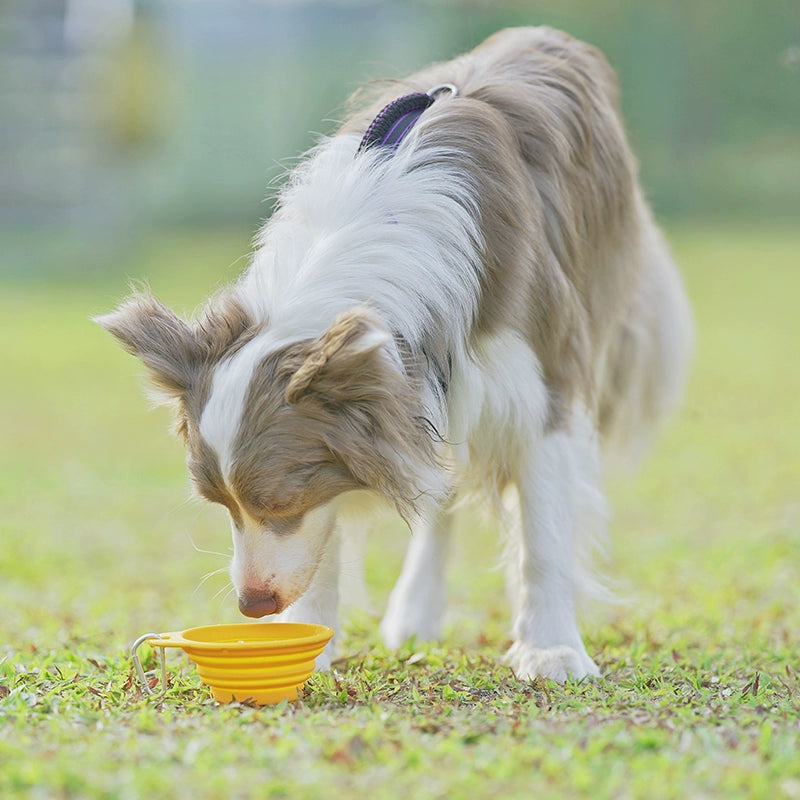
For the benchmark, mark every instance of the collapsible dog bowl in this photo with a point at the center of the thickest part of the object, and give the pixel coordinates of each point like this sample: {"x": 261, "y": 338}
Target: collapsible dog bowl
{"x": 255, "y": 662}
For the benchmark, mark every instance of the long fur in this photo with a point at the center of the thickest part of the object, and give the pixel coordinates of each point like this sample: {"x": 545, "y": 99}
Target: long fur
{"x": 490, "y": 306}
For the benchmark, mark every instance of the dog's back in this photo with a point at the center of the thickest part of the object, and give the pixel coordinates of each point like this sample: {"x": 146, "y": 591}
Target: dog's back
{"x": 573, "y": 259}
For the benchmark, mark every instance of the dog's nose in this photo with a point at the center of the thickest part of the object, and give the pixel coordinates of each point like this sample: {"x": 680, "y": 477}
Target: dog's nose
{"x": 260, "y": 606}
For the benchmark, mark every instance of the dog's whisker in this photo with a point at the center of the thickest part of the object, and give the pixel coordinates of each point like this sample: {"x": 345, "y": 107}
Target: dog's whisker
{"x": 198, "y": 549}
{"x": 224, "y": 592}
{"x": 224, "y": 599}
{"x": 207, "y": 577}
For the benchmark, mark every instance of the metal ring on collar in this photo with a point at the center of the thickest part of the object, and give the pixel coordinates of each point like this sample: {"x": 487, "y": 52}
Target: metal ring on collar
{"x": 442, "y": 87}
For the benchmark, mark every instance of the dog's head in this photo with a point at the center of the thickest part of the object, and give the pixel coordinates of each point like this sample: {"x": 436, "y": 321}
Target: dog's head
{"x": 276, "y": 429}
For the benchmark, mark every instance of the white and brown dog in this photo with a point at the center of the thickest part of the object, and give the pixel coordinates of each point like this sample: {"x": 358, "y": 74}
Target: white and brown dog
{"x": 471, "y": 293}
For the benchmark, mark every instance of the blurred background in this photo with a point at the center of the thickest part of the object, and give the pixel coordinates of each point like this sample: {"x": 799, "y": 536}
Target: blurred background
{"x": 119, "y": 118}
{"x": 139, "y": 138}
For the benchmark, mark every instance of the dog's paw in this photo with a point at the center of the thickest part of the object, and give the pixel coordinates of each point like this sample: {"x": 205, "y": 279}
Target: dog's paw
{"x": 398, "y": 628}
{"x": 323, "y": 661}
{"x": 394, "y": 633}
{"x": 411, "y": 615}
{"x": 558, "y": 664}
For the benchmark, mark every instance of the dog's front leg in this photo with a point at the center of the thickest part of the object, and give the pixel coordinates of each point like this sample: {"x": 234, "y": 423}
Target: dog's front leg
{"x": 542, "y": 568}
{"x": 416, "y": 604}
{"x": 320, "y": 602}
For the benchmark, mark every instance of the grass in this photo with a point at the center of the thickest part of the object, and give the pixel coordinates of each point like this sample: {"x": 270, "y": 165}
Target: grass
{"x": 701, "y": 695}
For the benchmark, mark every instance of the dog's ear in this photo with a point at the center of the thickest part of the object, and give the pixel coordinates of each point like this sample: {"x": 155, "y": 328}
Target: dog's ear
{"x": 382, "y": 435}
{"x": 341, "y": 357}
{"x": 166, "y": 344}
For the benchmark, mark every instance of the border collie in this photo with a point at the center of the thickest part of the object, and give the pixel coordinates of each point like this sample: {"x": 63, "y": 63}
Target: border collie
{"x": 461, "y": 289}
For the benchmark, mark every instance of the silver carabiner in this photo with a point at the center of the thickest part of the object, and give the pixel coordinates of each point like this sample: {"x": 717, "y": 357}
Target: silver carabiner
{"x": 140, "y": 670}
{"x": 442, "y": 87}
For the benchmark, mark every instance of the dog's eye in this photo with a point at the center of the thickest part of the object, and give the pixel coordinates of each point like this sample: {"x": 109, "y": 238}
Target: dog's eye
{"x": 279, "y": 508}
{"x": 268, "y": 507}
{"x": 285, "y": 525}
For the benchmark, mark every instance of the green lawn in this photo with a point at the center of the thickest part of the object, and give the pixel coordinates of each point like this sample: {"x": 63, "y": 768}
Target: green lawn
{"x": 701, "y": 695}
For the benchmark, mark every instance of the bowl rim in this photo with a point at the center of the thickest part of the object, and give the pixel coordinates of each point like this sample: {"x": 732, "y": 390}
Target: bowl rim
{"x": 239, "y": 636}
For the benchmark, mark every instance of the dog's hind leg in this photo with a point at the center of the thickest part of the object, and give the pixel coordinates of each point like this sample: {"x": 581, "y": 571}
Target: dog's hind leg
{"x": 543, "y": 568}
{"x": 416, "y": 604}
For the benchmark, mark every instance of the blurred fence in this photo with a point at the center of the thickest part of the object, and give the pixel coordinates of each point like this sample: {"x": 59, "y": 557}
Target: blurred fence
{"x": 118, "y": 114}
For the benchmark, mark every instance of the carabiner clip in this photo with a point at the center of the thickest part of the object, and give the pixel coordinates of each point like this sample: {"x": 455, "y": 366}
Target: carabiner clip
{"x": 140, "y": 671}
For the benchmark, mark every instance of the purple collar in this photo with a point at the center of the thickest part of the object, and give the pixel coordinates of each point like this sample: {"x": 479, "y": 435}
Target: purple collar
{"x": 390, "y": 127}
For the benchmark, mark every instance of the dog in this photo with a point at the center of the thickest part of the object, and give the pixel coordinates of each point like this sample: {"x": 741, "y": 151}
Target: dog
{"x": 462, "y": 289}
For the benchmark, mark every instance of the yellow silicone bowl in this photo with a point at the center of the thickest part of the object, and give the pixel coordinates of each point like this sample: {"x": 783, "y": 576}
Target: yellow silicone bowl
{"x": 255, "y": 662}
